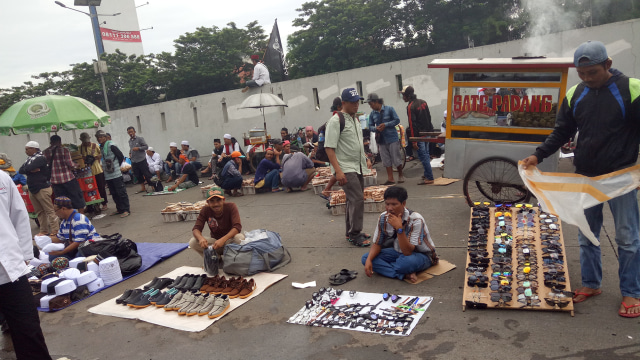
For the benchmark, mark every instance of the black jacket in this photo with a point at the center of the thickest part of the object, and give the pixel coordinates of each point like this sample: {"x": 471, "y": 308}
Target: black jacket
{"x": 38, "y": 180}
{"x": 608, "y": 120}
{"x": 419, "y": 117}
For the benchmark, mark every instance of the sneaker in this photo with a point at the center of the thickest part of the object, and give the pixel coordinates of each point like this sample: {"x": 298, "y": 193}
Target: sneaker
{"x": 231, "y": 284}
{"x": 237, "y": 286}
{"x": 247, "y": 289}
{"x": 175, "y": 282}
{"x": 125, "y": 295}
{"x": 198, "y": 282}
{"x": 190, "y": 282}
{"x": 175, "y": 300}
{"x": 220, "y": 305}
{"x": 152, "y": 284}
{"x": 181, "y": 285}
{"x": 195, "y": 309}
{"x": 163, "y": 283}
{"x": 164, "y": 300}
{"x": 221, "y": 285}
{"x": 135, "y": 295}
{"x": 208, "y": 305}
{"x": 209, "y": 284}
{"x": 143, "y": 301}
{"x": 188, "y": 303}
{"x": 158, "y": 296}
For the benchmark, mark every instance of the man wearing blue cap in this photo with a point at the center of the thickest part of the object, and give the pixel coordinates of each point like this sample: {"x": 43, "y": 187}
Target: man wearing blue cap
{"x": 344, "y": 147}
{"x": 605, "y": 109}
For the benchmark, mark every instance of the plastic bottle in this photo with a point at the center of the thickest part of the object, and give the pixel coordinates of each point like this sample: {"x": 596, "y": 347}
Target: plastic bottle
{"x": 321, "y": 137}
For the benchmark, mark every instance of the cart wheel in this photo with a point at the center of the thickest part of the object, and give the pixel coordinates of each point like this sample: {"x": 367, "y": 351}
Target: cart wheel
{"x": 255, "y": 160}
{"x": 495, "y": 179}
{"x": 403, "y": 155}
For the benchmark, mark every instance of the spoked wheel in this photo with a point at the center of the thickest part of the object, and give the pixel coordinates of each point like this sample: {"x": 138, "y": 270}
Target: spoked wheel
{"x": 495, "y": 179}
{"x": 255, "y": 160}
{"x": 403, "y": 156}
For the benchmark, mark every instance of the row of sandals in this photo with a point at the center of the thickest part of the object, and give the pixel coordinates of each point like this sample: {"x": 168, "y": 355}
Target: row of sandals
{"x": 190, "y": 294}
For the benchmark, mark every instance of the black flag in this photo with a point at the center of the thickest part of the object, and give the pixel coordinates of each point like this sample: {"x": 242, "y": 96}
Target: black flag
{"x": 274, "y": 56}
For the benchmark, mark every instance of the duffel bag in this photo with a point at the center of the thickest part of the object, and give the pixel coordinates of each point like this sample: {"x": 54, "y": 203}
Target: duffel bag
{"x": 257, "y": 256}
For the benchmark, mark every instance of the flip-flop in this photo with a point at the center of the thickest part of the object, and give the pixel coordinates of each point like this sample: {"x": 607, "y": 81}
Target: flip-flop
{"x": 125, "y": 214}
{"x": 389, "y": 182}
{"x": 586, "y": 296}
{"x": 342, "y": 277}
{"x": 626, "y": 308}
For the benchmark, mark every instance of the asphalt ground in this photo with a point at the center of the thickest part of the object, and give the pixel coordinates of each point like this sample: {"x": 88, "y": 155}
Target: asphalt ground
{"x": 316, "y": 241}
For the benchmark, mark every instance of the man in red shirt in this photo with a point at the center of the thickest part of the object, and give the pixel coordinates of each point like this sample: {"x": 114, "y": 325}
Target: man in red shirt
{"x": 223, "y": 220}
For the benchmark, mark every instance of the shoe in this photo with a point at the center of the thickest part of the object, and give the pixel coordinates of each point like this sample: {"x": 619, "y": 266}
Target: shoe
{"x": 237, "y": 286}
{"x": 198, "y": 282}
{"x": 181, "y": 285}
{"x": 152, "y": 284}
{"x": 188, "y": 304}
{"x": 175, "y": 282}
{"x": 190, "y": 282}
{"x": 187, "y": 298}
{"x": 174, "y": 300}
{"x": 209, "y": 284}
{"x": 135, "y": 294}
{"x": 195, "y": 309}
{"x": 231, "y": 284}
{"x": 247, "y": 289}
{"x": 125, "y": 295}
{"x": 158, "y": 296}
{"x": 208, "y": 305}
{"x": 221, "y": 285}
{"x": 163, "y": 283}
{"x": 143, "y": 301}
{"x": 220, "y": 305}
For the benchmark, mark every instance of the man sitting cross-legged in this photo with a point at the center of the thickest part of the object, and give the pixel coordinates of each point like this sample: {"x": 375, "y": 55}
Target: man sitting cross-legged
{"x": 401, "y": 245}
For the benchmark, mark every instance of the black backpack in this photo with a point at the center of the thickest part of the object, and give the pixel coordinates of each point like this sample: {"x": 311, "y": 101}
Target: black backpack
{"x": 321, "y": 153}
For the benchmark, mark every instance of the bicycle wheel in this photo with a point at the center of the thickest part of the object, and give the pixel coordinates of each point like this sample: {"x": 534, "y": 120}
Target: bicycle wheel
{"x": 403, "y": 156}
{"x": 495, "y": 179}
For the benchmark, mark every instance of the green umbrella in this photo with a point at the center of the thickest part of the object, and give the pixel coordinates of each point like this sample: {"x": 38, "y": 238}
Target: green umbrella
{"x": 51, "y": 113}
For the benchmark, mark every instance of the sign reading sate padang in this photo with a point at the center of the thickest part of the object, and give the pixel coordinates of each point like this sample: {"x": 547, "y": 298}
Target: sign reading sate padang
{"x": 506, "y": 103}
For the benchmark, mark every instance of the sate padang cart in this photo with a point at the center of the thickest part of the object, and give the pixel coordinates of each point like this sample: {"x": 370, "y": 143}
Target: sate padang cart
{"x": 498, "y": 111}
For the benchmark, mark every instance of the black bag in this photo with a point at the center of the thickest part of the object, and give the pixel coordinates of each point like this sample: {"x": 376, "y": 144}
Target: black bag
{"x": 79, "y": 293}
{"x": 211, "y": 261}
{"x": 158, "y": 187}
{"x": 114, "y": 245}
{"x": 321, "y": 153}
{"x": 89, "y": 160}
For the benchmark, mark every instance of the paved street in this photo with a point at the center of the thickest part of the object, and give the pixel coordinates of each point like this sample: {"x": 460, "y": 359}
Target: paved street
{"x": 316, "y": 241}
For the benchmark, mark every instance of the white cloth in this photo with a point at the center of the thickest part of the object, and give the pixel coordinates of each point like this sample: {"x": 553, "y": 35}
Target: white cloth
{"x": 261, "y": 74}
{"x": 52, "y": 247}
{"x": 15, "y": 232}
{"x": 155, "y": 163}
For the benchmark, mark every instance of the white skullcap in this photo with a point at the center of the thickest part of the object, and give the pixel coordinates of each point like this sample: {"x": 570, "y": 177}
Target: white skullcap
{"x": 33, "y": 144}
{"x": 172, "y": 144}
{"x": 150, "y": 148}
{"x": 227, "y": 136}
{"x": 185, "y": 142}
{"x": 445, "y": 113}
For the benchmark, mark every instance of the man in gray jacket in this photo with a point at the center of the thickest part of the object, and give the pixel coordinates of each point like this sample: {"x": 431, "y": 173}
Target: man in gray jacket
{"x": 138, "y": 154}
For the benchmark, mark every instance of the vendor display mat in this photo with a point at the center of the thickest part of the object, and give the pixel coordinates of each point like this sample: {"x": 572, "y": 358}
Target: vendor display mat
{"x": 151, "y": 253}
{"x": 364, "y": 298}
{"x": 481, "y": 295}
{"x": 164, "y": 192}
{"x": 171, "y": 319}
{"x": 441, "y": 181}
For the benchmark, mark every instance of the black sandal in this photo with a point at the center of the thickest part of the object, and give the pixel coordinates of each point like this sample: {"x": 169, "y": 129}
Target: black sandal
{"x": 342, "y": 277}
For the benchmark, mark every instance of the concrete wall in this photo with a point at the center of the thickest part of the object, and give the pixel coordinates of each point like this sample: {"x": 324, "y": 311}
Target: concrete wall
{"x": 430, "y": 84}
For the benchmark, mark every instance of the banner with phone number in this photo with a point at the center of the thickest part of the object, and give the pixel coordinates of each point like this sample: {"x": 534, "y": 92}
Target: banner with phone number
{"x": 115, "y": 35}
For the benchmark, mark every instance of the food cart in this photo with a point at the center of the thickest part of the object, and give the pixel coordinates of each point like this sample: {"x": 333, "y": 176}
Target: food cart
{"x": 498, "y": 111}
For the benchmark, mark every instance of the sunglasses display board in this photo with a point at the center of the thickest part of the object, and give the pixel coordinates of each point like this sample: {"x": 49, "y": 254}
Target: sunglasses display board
{"x": 516, "y": 260}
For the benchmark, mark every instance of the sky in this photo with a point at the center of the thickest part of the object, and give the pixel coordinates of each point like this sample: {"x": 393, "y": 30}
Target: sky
{"x": 39, "y": 36}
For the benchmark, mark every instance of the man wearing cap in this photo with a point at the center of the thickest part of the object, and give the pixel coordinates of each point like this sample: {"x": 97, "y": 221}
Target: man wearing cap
{"x": 419, "y": 121}
{"x": 75, "y": 229}
{"x": 138, "y": 155}
{"x": 155, "y": 162}
{"x": 345, "y": 150}
{"x": 189, "y": 177}
{"x": 16, "y": 299}
{"x": 63, "y": 181}
{"x": 192, "y": 154}
{"x": 91, "y": 151}
{"x": 112, "y": 157}
{"x": 36, "y": 168}
{"x": 605, "y": 109}
{"x": 260, "y": 74}
{"x": 171, "y": 164}
{"x": 223, "y": 220}
{"x": 383, "y": 120}
{"x": 231, "y": 175}
{"x": 267, "y": 175}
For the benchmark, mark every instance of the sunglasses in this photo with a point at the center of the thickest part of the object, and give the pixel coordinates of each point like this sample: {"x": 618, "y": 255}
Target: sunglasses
{"x": 478, "y": 247}
{"x": 480, "y": 284}
{"x": 523, "y": 205}
{"x": 528, "y": 283}
{"x": 526, "y": 277}
{"x": 526, "y": 291}
{"x": 555, "y": 278}
{"x": 552, "y": 244}
{"x": 503, "y": 260}
{"x": 555, "y": 302}
{"x": 549, "y": 227}
{"x": 497, "y": 296}
{"x": 478, "y": 277}
{"x": 529, "y": 303}
{"x": 527, "y": 269}
{"x": 475, "y": 268}
{"x": 475, "y": 305}
{"x": 498, "y": 267}
{"x": 500, "y": 288}
{"x": 554, "y": 285}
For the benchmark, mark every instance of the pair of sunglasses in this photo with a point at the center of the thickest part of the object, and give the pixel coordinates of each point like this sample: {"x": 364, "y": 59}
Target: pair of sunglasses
{"x": 475, "y": 305}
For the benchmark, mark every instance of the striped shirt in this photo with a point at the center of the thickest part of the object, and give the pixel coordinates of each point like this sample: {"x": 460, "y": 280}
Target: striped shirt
{"x": 414, "y": 227}
{"x": 81, "y": 228}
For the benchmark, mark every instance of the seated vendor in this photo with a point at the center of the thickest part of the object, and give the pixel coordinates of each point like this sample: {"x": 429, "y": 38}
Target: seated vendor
{"x": 401, "y": 245}
{"x": 75, "y": 229}
{"x": 231, "y": 175}
{"x": 297, "y": 171}
{"x": 189, "y": 177}
{"x": 268, "y": 172}
{"x": 223, "y": 220}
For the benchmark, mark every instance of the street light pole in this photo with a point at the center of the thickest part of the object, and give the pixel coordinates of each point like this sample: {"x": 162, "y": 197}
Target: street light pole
{"x": 98, "y": 41}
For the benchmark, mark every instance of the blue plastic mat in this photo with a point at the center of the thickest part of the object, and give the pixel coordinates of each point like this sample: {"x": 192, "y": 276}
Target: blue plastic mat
{"x": 151, "y": 253}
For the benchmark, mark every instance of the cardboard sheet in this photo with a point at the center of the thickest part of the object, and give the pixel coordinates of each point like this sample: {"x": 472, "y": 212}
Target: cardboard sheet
{"x": 442, "y": 181}
{"x": 442, "y": 267}
{"x": 171, "y": 319}
{"x": 373, "y": 298}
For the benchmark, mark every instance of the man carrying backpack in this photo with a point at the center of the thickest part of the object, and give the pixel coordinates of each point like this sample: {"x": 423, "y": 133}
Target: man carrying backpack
{"x": 344, "y": 147}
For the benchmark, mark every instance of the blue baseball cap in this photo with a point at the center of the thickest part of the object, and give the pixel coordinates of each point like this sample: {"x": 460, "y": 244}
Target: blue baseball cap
{"x": 590, "y": 53}
{"x": 351, "y": 95}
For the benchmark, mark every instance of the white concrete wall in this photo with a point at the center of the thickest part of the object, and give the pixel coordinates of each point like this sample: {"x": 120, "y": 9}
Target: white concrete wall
{"x": 430, "y": 84}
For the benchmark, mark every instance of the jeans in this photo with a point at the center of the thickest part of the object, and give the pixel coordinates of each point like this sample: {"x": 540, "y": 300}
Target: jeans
{"x": 173, "y": 170}
{"x": 119, "y": 194}
{"x": 197, "y": 165}
{"x": 626, "y": 219}
{"x": 272, "y": 180}
{"x": 423, "y": 155}
{"x": 17, "y": 305}
{"x": 393, "y": 264}
{"x": 231, "y": 183}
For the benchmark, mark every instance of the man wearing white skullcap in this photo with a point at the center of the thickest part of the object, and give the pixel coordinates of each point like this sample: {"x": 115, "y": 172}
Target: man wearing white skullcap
{"x": 171, "y": 164}
{"x": 36, "y": 168}
{"x": 155, "y": 162}
{"x": 192, "y": 154}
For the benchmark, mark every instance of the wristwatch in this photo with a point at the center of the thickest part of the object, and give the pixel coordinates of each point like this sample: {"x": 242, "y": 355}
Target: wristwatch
{"x": 400, "y": 231}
